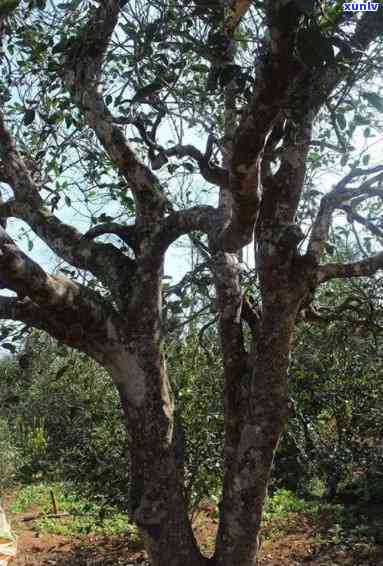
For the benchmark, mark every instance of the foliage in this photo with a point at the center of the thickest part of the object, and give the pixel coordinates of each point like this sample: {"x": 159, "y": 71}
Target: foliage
{"x": 197, "y": 372}
{"x": 84, "y": 517}
{"x": 337, "y": 387}
{"x": 282, "y": 502}
{"x": 9, "y": 455}
{"x": 67, "y": 421}
{"x": 68, "y": 425}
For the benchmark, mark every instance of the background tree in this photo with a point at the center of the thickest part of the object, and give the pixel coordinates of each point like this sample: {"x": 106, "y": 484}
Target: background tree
{"x": 336, "y": 383}
{"x": 255, "y": 80}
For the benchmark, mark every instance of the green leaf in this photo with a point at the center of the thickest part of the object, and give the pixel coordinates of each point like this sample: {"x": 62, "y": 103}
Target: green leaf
{"x": 68, "y": 202}
{"x": 61, "y": 371}
{"x": 29, "y": 116}
{"x": 342, "y": 122}
{"x": 55, "y": 118}
{"x": 8, "y": 6}
{"x": 374, "y": 99}
{"x": 9, "y": 346}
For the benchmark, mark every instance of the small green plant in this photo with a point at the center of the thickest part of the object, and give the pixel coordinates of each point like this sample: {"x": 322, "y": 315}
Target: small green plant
{"x": 33, "y": 442}
{"x": 283, "y": 502}
{"x": 77, "y": 516}
{"x": 36, "y": 437}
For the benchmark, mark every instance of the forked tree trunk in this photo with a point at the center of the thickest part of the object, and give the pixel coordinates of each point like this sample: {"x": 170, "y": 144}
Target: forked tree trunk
{"x": 256, "y": 408}
{"x": 157, "y": 498}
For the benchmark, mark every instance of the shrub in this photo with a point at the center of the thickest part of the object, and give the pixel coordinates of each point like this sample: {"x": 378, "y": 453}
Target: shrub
{"x": 9, "y": 455}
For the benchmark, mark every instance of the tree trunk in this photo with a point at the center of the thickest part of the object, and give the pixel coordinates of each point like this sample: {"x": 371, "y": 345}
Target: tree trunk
{"x": 256, "y": 409}
{"x": 157, "y": 500}
{"x": 256, "y": 405}
{"x": 258, "y": 418}
{"x": 262, "y": 414}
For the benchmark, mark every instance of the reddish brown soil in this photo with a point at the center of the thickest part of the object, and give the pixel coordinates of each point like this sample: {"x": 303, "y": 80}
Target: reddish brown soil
{"x": 299, "y": 540}
{"x": 293, "y": 541}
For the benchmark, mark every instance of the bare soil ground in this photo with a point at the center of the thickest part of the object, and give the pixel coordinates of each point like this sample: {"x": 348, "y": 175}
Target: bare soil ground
{"x": 298, "y": 539}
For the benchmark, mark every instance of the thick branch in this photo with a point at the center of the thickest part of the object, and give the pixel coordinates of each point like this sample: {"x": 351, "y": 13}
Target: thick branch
{"x": 77, "y": 329}
{"x": 127, "y": 233}
{"x": 340, "y": 194}
{"x": 20, "y": 310}
{"x": 82, "y": 76}
{"x": 177, "y": 224}
{"x": 282, "y": 191}
{"x": 62, "y": 307}
{"x": 363, "y": 268}
{"x": 275, "y": 74}
{"x": 104, "y": 260}
{"x": 22, "y": 275}
{"x": 198, "y": 218}
{"x": 290, "y": 86}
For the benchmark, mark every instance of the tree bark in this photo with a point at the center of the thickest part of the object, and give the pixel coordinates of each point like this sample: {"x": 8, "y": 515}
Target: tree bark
{"x": 157, "y": 500}
{"x": 259, "y": 420}
{"x": 256, "y": 401}
{"x": 256, "y": 407}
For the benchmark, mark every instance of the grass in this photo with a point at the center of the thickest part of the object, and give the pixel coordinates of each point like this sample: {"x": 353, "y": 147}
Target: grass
{"x": 285, "y": 513}
{"x": 335, "y": 523}
{"x": 84, "y": 516}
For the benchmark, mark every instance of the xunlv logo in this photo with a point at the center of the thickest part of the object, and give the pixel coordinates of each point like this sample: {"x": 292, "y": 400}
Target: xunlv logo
{"x": 361, "y": 6}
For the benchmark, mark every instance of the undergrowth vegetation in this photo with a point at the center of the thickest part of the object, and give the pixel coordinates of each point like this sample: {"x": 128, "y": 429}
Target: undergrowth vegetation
{"x": 59, "y": 508}
{"x": 62, "y": 433}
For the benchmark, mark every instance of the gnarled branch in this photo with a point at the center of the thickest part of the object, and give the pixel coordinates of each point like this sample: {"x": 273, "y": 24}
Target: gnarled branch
{"x": 82, "y": 77}
{"x": 340, "y": 194}
{"x": 63, "y": 307}
{"x": 209, "y": 171}
{"x": 198, "y": 218}
{"x": 103, "y": 260}
{"x": 127, "y": 233}
{"x": 364, "y": 268}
